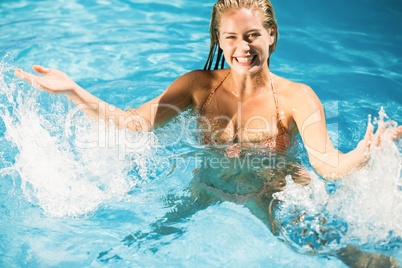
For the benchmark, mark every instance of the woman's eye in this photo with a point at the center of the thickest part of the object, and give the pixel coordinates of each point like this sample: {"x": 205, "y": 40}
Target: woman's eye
{"x": 254, "y": 35}
{"x": 230, "y": 37}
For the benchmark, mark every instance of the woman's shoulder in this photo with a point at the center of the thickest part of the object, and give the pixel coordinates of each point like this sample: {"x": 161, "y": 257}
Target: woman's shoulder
{"x": 206, "y": 77}
{"x": 201, "y": 79}
{"x": 297, "y": 100}
{"x": 295, "y": 92}
{"x": 202, "y": 82}
{"x": 287, "y": 86}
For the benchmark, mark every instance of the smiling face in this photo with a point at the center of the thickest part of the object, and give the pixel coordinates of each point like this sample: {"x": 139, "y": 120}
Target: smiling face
{"x": 244, "y": 40}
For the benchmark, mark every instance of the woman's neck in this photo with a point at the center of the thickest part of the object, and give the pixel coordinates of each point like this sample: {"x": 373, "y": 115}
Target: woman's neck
{"x": 244, "y": 85}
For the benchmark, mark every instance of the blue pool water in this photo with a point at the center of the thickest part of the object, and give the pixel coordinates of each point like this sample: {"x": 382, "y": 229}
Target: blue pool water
{"x": 78, "y": 194}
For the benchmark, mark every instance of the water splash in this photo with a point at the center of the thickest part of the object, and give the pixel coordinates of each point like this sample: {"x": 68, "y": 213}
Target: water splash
{"x": 64, "y": 163}
{"x": 370, "y": 200}
{"x": 362, "y": 209}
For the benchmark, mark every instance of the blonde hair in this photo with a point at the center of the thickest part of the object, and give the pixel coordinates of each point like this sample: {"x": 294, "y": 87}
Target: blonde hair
{"x": 221, "y": 6}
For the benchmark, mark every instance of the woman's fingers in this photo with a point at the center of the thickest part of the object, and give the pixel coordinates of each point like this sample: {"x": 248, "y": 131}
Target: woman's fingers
{"x": 30, "y": 78}
{"x": 397, "y": 133}
{"x": 369, "y": 134}
{"x": 40, "y": 69}
{"x": 369, "y": 131}
{"x": 375, "y": 139}
{"x": 378, "y": 134}
{"x": 54, "y": 81}
{"x": 365, "y": 143}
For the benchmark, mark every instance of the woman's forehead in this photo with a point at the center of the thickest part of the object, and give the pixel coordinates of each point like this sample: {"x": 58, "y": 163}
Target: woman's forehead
{"x": 237, "y": 19}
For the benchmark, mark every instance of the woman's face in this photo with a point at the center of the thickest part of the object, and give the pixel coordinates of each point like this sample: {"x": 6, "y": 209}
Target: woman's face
{"x": 244, "y": 41}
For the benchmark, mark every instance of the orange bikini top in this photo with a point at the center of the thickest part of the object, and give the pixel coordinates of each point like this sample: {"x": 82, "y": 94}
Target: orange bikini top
{"x": 278, "y": 144}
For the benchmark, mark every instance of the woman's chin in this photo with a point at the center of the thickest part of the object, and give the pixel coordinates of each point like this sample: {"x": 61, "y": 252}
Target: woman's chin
{"x": 246, "y": 71}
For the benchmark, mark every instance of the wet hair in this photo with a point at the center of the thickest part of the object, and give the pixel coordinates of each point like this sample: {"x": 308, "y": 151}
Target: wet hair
{"x": 264, "y": 7}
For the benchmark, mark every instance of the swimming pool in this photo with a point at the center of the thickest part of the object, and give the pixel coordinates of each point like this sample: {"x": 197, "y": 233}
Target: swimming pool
{"x": 74, "y": 194}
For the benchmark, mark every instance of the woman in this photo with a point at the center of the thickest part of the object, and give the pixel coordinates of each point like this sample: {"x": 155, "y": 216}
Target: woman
{"x": 243, "y": 106}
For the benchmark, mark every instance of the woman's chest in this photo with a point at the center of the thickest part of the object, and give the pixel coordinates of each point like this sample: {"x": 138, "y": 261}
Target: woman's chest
{"x": 227, "y": 117}
{"x": 240, "y": 123}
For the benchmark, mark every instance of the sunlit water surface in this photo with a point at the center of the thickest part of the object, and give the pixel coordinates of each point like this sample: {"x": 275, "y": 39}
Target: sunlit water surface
{"x": 73, "y": 192}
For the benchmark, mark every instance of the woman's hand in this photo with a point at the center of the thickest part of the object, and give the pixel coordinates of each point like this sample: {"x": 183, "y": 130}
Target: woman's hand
{"x": 54, "y": 81}
{"x": 397, "y": 134}
{"x": 375, "y": 139}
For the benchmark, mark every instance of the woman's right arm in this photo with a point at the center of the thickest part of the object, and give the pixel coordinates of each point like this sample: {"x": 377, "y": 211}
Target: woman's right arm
{"x": 178, "y": 96}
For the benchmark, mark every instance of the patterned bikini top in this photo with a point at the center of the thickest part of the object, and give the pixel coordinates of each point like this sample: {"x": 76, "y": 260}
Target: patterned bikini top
{"x": 278, "y": 144}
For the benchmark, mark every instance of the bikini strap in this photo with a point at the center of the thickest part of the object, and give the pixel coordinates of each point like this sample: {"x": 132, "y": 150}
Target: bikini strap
{"x": 276, "y": 104}
{"x": 213, "y": 91}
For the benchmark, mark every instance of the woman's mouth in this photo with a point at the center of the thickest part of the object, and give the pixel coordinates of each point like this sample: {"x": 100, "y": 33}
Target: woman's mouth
{"x": 244, "y": 60}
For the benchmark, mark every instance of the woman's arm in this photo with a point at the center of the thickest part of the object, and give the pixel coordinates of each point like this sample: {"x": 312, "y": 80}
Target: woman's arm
{"x": 177, "y": 97}
{"x": 328, "y": 162}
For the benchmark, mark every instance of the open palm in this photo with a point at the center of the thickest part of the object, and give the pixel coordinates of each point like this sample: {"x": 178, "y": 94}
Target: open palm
{"x": 54, "y": 81}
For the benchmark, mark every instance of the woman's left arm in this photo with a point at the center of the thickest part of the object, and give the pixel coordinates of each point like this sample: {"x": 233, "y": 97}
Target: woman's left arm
{"x": 328, "y": 162}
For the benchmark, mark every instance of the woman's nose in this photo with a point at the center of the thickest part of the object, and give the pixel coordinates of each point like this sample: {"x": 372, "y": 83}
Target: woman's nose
{"x": 243, "y": 45}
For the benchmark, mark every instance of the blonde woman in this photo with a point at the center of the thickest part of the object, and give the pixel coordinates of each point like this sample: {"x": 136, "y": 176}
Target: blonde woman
{"x": 243, "y": 106}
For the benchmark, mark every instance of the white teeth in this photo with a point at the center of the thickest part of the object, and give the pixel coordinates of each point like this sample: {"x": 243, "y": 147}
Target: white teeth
{"x": 245, "y": 59}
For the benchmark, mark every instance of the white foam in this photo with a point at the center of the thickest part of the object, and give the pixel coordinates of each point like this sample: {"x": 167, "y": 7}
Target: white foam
{"x": 62, "y": 178}
{"x": 365, "y": 208}
{"x": 370, "y": 200}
